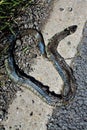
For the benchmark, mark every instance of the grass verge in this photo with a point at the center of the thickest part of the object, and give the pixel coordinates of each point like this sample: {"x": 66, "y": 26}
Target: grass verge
{"x": 9, "y": 10}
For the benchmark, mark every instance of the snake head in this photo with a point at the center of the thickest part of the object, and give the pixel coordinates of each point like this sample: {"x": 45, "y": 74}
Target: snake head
{"x": 71, "y": 29}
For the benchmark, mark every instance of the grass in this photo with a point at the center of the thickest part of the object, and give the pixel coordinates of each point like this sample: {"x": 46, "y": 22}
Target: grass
{"x": 9, "y": 10}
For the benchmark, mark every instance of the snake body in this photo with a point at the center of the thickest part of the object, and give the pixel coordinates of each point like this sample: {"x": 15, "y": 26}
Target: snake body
{"x": 50, "y": 52}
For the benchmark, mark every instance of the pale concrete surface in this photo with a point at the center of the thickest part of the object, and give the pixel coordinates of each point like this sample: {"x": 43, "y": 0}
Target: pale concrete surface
{"x": 27, "y": 111}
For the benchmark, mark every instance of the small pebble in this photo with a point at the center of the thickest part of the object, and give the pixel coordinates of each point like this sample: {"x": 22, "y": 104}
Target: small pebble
{"x": 69, "y": 9}
{"x": 61, "y": 9}
{"x": 17, "y": 128}
{"x": 31, "y": 114}
{"x": 18, "y": 43}
{"x": 32, "y": 101}
{"x": 39, "y": 114}
{"x": 69, "y": 43}
{"x": 17, "y": 108}
{"x": 10, "y": 127}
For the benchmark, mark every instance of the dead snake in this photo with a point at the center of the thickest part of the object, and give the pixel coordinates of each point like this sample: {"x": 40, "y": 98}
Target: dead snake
{"x": 50, "y": 52}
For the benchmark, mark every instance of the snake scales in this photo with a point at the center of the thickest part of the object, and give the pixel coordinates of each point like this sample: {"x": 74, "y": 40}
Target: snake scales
{"x": 50, "y": 52}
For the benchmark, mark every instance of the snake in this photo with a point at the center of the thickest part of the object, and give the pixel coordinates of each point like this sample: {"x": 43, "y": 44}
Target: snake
{"x": 49, "y": 52}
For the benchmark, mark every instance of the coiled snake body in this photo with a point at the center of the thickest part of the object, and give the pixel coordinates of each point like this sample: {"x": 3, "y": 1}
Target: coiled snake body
{"x": 50, "y": 52}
